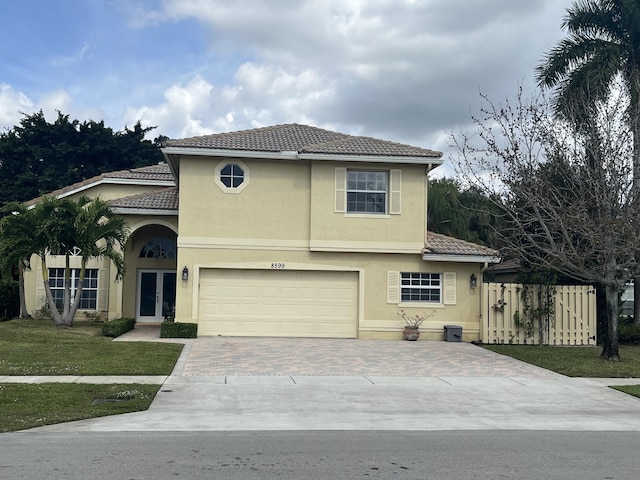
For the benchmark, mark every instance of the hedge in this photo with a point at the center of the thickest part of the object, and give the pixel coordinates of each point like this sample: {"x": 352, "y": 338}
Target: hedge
{"x": 115, "y": 328}
{"x": 9, "y": 300}
{"x": 178, "y": 330}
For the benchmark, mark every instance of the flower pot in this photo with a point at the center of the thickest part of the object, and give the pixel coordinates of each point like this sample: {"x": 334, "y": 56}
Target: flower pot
{"x": 411, "y": 333}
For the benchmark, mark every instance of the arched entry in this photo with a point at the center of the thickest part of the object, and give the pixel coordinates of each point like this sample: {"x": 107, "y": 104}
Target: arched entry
{"x": 153, "y": 252}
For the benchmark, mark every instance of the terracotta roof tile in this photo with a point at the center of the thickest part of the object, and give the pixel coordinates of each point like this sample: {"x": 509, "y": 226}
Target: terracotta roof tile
{"x": 438, "y": 244}
{"x": 301, "y": 139}
{"x": 166, "y": 199}
{"x": 160, "y": 172}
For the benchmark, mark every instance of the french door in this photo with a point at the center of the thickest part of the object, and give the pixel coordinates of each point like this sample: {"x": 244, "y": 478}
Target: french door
{"x": 156, "y": 295}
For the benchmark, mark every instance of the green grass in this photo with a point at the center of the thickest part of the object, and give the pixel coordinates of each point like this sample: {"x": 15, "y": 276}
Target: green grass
{"x": 575, "y": 361}
{"x": 34, "y": 405}
{"x": 629, "y": 389}
{"x": 38, "y": 347}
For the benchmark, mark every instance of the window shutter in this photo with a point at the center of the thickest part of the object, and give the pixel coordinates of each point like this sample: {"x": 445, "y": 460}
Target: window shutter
{"x": 102, "y": 302}
{"x": 395, "y": 200}
{"x": 341, "y": 190}
{"x": 449, "y": 288}
{"x": 41, "y": 295}
{"x": 393, "y": 287}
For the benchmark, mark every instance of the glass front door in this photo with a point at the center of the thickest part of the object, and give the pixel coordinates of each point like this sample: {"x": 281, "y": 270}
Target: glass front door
{"x": 156, "y": 295}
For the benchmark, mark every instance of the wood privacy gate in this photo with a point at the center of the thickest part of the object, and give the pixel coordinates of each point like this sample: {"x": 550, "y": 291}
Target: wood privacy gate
{"x": 538, "y": 314}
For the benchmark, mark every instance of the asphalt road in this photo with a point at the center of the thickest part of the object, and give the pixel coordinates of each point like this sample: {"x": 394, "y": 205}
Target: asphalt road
{"x": 321, "y": 455}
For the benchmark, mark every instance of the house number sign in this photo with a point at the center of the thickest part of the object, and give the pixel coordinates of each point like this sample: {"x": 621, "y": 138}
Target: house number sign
{"x": 278, "y": 265}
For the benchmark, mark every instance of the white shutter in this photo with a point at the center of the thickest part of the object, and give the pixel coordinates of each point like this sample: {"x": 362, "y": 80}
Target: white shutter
{"x": 449, "y": 288}
{"x": 102, "y": 303}
{"x": 41, "y": 295}
{"x": 395, "y": 185}
{"x": 393, "y": 287}
{"x": 341, "y": 190}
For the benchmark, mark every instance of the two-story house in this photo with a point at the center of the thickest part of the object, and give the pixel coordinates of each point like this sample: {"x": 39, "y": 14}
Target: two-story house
{"x": 288, "y": 230}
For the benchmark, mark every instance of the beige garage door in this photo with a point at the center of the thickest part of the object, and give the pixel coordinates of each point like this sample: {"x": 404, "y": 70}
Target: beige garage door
{"x": 279, "y": 303}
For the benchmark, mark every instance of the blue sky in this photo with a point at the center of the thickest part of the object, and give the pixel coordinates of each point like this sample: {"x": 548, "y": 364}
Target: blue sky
{"x": 403, "y": 70}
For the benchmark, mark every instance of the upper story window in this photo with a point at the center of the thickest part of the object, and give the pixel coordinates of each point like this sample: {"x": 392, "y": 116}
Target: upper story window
{"x": 159, "y": 247}
{"x": 232, "y": 177}
{"x": 366, "y": 191}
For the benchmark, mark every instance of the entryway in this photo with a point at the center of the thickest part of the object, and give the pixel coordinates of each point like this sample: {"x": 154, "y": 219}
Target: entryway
{"x": 156, "y": 297}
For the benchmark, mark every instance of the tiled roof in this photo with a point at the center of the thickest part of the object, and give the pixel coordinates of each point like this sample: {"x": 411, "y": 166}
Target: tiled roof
{"x": 166, "y": 199}
{"x": 160, "y": 173}
{"x": 438, "y": 244}
{"x": 302, "y": 139}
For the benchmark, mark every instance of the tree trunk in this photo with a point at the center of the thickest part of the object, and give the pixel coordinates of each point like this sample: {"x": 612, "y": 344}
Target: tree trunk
{"x": 610, "y": 350}
{"x": 47, "y": 288}
{"x": 636, "y": 303}
{"x": 23, "y": 302}
{"x": 68, "y": 319}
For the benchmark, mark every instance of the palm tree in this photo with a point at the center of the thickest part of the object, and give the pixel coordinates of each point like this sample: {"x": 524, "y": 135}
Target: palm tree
{"x": 90, "y": 226}
{"x": 60, "y": 227}
{"x": 17, "y": 229}
{"x": 98, "y": 233}
{"x": 602, "y": 49}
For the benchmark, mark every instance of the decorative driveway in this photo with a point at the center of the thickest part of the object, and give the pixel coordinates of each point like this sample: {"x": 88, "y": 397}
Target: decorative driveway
{"x": 252, "y": 356}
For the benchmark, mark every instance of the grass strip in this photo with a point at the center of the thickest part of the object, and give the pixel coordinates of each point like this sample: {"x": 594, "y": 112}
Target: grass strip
{"x": 33, "y": 405}
{"x": 575, "y": 361}
{"x": 629, "y": 389}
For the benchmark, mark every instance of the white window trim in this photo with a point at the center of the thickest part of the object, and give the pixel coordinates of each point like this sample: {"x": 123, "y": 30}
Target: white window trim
{"x": 393, "y": 194}
{"x": 222, "y": 186}
{"x": 447, "y": 292}
{"x": 75, "y": 274}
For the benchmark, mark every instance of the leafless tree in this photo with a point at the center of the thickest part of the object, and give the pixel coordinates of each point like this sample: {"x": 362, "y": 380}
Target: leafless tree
{"x": 565, "y": 192}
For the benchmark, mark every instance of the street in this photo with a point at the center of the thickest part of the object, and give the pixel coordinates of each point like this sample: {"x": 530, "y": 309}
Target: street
{"x": 321, "y": 455}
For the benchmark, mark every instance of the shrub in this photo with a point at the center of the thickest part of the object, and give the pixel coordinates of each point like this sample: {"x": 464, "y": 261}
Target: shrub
{"x": 178, "y": 330}
{"x": 115, "y": 328}
{"x": 627, "y": 331}
{"x": 9, "y": 300}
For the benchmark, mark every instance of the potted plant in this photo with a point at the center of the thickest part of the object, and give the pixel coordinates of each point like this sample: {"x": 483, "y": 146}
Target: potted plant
{"x": 412, "y": 324}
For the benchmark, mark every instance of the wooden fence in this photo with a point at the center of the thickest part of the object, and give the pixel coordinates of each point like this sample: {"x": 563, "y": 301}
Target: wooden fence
{"x": 534, "y": 314}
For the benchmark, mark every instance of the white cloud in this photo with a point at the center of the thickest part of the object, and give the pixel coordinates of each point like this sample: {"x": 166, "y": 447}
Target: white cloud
{"x": 12, "y": 103}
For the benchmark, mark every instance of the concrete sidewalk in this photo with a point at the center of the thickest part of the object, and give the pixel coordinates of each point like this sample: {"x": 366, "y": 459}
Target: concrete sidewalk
{"x": 222, "y": 383}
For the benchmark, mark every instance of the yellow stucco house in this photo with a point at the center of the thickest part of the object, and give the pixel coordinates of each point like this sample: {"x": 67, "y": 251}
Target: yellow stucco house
{"x": 288, "y": 230}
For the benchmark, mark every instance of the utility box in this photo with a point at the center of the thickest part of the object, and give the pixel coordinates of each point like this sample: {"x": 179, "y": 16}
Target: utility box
{"x": 452, "y": 333}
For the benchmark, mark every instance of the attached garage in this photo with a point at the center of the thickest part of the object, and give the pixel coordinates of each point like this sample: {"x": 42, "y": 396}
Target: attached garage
{"x": 278, "y": 303}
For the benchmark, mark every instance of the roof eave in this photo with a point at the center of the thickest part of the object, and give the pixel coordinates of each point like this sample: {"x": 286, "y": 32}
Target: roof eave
{"x": 371, "y": 158}
{"x": 171, "y": 154}
{"x": 144, "y": 211}
{"x": 437, "y": 257}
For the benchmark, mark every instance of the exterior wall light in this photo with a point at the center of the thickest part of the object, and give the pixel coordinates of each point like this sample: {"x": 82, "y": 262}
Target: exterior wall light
{"x": 185, "y": 273}
{"x": 473, "y": 280}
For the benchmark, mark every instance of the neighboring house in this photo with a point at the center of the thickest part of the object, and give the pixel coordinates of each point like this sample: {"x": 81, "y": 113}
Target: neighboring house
{"x": 288, "y": 230}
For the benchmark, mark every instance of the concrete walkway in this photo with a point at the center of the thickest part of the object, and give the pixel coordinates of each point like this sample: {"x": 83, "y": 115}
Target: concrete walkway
{"x": 224, "y": 383}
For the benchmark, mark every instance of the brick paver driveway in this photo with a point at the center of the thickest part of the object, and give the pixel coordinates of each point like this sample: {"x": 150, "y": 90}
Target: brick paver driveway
{"x": 251, "y": 356}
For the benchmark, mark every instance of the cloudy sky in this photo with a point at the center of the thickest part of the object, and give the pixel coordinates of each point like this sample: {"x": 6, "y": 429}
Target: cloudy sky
{"x": 404, "y": 70}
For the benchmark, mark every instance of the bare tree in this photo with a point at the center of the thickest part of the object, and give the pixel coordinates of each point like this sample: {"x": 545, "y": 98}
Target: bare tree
{"x": 565, "y": 192}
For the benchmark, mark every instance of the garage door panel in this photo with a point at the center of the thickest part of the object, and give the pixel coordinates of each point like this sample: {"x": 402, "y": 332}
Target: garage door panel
{"x": 278, "y": 303}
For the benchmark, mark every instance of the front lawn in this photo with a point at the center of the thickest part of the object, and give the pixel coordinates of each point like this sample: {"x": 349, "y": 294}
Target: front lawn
{"x": 38, "y": 347}
{"x": 575, "y": 361}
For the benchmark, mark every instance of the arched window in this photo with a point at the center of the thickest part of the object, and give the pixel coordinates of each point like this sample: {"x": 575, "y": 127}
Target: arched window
{"x": 159, "y": 247}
